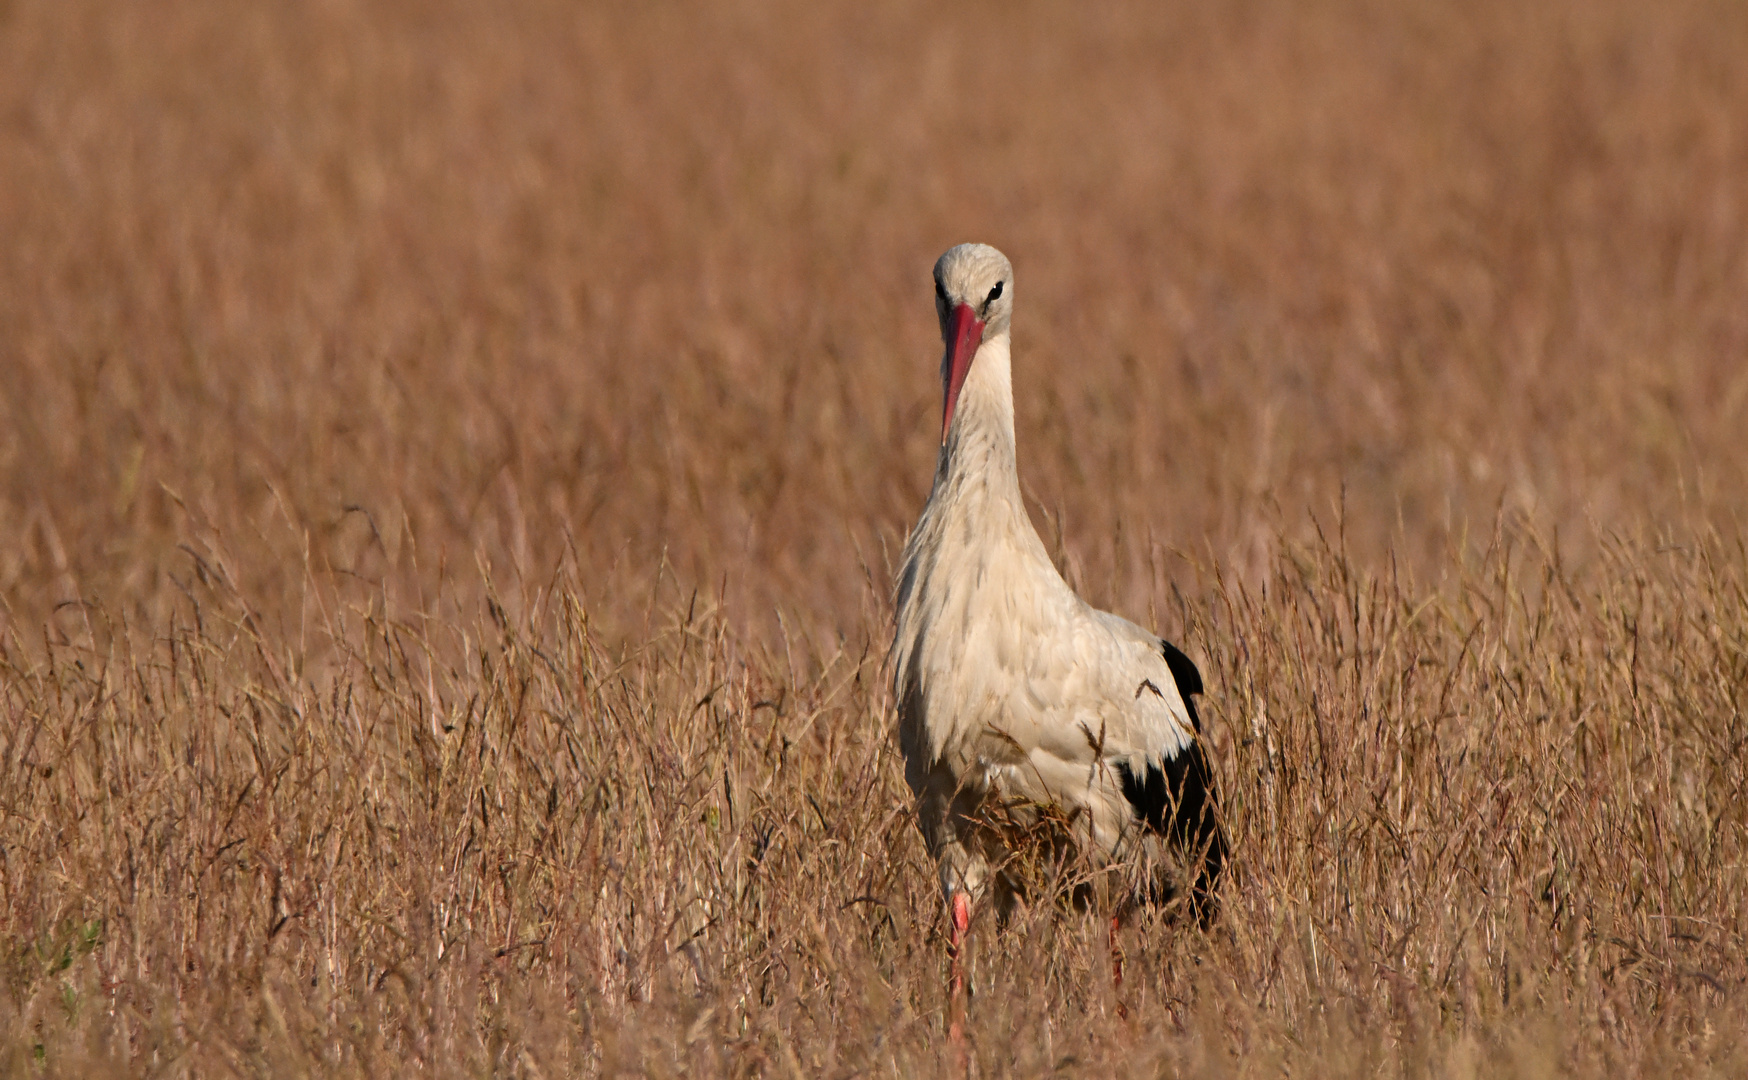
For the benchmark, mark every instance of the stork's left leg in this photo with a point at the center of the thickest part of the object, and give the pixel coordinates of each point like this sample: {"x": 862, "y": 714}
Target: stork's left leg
{"x": 1117, "y": 966}
{"x": 1116, "y": 952}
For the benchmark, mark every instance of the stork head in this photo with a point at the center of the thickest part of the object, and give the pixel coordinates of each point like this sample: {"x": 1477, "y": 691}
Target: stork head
{"x": 974, "y": 297}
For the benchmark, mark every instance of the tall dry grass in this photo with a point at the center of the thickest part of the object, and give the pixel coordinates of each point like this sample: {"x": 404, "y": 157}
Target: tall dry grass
{"x": 450, "y": 457}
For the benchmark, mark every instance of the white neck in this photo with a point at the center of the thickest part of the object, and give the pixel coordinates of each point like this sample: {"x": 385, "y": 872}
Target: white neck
{"x": 980, "y": 444}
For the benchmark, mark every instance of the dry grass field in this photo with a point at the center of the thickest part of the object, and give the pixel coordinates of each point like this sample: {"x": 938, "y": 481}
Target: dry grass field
{"x": 452, "y": 457}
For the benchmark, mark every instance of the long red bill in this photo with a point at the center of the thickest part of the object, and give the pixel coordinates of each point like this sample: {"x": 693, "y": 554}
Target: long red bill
{"x": 964, "y": 335}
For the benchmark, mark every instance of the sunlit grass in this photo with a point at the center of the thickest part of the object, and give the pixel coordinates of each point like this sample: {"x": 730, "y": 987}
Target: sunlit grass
{"x": 451, "y": 459}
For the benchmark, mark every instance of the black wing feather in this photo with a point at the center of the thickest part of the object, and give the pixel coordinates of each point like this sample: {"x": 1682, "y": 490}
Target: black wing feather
{"x": 1189, "y": 680}
{"x": 1176, "y": 797}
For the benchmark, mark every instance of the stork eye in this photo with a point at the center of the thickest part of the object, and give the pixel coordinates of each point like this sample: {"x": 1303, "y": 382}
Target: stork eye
{"x": 940, "y": 290}
{"x": 994, "y": 294}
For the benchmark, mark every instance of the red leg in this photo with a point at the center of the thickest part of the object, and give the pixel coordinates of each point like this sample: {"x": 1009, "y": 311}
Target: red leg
{"x": 960, "y": 917}
{"x": 1117, "y": 968}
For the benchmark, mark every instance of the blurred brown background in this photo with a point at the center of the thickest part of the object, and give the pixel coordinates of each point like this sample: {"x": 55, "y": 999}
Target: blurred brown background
{"x": 383, "y": 292}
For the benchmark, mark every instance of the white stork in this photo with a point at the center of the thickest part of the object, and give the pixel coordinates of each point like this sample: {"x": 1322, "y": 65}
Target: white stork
{"x": 1013, "y": 692}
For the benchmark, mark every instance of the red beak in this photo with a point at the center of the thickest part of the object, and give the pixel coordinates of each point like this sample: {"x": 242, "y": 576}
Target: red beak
{"x": 964, "y": 335}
